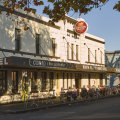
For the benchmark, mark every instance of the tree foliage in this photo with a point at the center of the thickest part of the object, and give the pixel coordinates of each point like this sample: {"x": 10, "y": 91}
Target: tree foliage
{"x": 57, "y": 8}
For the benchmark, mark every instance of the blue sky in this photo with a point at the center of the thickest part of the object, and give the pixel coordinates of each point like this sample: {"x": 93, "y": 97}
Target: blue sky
{"x": 104, "y": 23}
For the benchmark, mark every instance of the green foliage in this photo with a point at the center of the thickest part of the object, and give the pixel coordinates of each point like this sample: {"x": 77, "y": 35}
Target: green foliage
{"x": 103, "y": 1}
{"x": 51, "y": 1}
{"x": 59, "y": 7}
{"x": 117, "y": 6}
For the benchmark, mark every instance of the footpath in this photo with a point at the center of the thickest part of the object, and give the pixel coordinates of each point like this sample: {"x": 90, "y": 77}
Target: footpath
{"x": 16, "y": 108}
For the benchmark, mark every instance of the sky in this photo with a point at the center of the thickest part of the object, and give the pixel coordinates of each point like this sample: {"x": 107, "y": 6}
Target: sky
{"x": 104, "y": 23}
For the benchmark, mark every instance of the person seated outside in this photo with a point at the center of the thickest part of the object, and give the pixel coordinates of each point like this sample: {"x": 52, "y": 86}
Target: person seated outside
{"x": 94, "y": 90}
{"x": 74, "y": 93}
{"x": 97, "y": 93}
{"x": 69, "y": 94}
{"x": 118, "y": 89}
{"x": 84, "y": 92}
{"x": 90, "y": 92}
{"x": 62, "y": 94}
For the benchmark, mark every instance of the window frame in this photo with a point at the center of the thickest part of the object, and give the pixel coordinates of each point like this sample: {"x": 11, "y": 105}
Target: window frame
{"x": 101, "y": 57}
{"x": 3, "y": 78}
{"x": 33, "y": 77}
{"x": 54, "y": 46}
{"x": 77, "y": 49}
{"x": 67, "y": 50}
{"x": 44, "y": 81}
{"x": 17, "y": 39}
{"x": 95, "y": 56}
{"x": 14, "y": 81}
{"x": 51, "y": 78}
{"x": 71, "y": 78}
{"x": 67, "y": 80}
{"x": 88, "y": 54}
{"x": 38, "y": 48}
{"x": 101, "y": 80}
{"x": 72, "y": 51}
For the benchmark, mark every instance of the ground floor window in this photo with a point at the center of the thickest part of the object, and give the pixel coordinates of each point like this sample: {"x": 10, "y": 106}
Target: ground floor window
{"x": 3, "y": 82}
{"x": 89, "y": 77}
{"x": 77, "y": 78}
{"x": 14, "y": 82}
{"x": 105, "y": 81}
{"x": 67, "y": 80}
{"x": 101, "y": 79}
{"x": 44, "y": 81}
{"x": 71, "y": 78}
{"x": 33, "y": 76}
{"x": 80, "y": 80}
{"x": 57, "y": 81}
{"x": 51, "y": 76}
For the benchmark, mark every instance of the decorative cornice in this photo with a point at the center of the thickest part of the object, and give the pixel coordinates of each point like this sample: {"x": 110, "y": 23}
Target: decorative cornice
{"x": 70, "y": 31}
{"x": 93, "y": 39}
{"x": 2, "y": 8}
{"x": 72, "y": 20}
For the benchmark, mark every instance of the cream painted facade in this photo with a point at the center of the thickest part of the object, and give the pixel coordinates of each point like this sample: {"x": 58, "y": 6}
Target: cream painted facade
{"x": 53, "y": 66}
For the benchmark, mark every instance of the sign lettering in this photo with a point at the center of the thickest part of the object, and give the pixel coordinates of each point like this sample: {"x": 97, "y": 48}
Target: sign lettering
{"x": 44, "y": 63}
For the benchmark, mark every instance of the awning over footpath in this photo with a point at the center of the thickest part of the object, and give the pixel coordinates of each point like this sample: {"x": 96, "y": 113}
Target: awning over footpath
{"x": 24, "y": 63}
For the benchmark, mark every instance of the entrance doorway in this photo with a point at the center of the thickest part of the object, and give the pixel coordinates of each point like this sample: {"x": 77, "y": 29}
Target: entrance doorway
{"x": 78, "y": 81}
{"x": 101, "y": 80}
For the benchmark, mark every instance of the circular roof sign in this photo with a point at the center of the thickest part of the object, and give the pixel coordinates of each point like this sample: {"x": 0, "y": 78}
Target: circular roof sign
{"x": 81, "y": 27}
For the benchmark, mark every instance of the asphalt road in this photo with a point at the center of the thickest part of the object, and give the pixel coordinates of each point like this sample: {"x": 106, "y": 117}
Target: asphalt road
{"x": 105, "y": 109}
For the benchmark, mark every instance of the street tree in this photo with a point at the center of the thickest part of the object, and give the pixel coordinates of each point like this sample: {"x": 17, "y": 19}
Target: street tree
{"x": 57, "y": 9}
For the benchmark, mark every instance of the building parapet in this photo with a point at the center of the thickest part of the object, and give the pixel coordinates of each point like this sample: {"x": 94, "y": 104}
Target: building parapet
{"x": 29, "y": 17}
{"x": 94, "y": 38}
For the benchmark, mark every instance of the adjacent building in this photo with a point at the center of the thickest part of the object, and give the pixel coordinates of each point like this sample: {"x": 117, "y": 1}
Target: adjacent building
{"x": 112, "y": 59}
{"x": 37, "y": 57}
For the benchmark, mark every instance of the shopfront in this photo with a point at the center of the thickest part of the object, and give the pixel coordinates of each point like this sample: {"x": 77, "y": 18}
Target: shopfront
{"x": 23, "y": 77}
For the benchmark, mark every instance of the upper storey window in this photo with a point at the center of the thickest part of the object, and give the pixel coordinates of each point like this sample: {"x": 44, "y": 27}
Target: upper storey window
{"x": 33, "y": 76}
{"x": 54, "y": 46}
{"x": 88, "y": 54}
{"x": 101, "y": 56}
{"x": 17, "y": 39}
{"x": 14, "y": 82}
{"x": 76, "y": 52}
{"x": 72, "y": 51}
{"x": 67, "y": 50}
{"x": 3, "y": 82}
{"x": 37, "y": 43}
{"x": 95, "y": 56}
